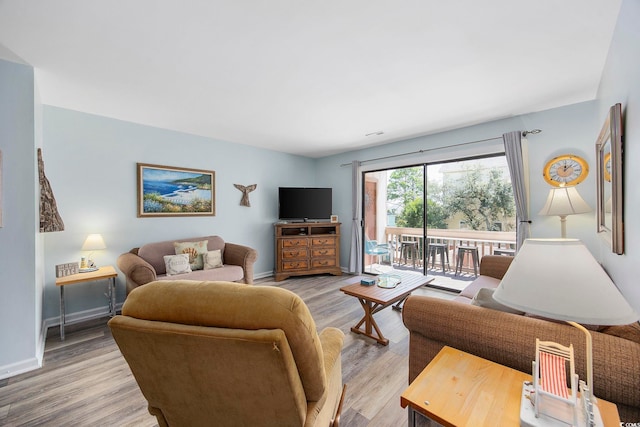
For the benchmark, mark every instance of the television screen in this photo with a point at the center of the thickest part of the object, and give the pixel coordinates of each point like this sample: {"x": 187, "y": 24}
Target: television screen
{"x": 299, "y": 203}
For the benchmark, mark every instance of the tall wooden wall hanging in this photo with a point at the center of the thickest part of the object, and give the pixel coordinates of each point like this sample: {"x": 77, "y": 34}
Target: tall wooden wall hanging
{"x": 50, "y": 219}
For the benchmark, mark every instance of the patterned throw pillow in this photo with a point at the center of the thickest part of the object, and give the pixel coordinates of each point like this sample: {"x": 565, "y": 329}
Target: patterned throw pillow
{"x": 194, "y": 250}
{"x": 177, "y": 264}
{"x": 212, "y": 259}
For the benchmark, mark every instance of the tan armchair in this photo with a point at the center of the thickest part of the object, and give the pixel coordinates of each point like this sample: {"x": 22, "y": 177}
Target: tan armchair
{"x": 228, "y": 354}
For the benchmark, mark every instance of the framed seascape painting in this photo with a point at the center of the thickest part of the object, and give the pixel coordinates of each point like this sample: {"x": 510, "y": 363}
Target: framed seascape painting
{"x": 174, "y": 191}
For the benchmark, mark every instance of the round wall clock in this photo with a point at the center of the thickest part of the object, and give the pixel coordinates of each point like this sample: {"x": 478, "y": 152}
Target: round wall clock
{"x": 567, "y": 169}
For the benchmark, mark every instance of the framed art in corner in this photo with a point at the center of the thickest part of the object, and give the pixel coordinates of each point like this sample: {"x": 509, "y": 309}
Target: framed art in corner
{"x": 173, "y": 191}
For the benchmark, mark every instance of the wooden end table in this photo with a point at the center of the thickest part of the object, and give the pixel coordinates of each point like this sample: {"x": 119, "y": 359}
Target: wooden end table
{"x": 373, "y": 299}
{"x": 460, "y": 389}
{"x": 107, "y": 272}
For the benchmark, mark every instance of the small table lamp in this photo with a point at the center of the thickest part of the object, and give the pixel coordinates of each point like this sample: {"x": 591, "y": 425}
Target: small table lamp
{"x": 563, "y": 201}
{"x": 560, "y": 279}
{"x": 94, "y": 242}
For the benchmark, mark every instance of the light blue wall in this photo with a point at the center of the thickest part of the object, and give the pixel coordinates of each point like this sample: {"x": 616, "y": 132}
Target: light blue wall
{"x": 621, "y": 83}
{"x": 91, "y": 164}
{"x": 20, "y": 324}
{"x": 571, "y": 129}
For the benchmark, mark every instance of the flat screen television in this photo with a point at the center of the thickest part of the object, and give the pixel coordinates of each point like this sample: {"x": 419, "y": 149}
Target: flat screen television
{"x": 304, "y": 204}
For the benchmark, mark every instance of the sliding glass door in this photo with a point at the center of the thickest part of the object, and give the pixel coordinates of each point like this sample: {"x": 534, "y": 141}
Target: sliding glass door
{"x": 438, "y": 218}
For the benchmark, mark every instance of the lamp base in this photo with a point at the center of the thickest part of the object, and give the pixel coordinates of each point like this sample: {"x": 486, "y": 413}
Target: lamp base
{"x": 528, "y": 417}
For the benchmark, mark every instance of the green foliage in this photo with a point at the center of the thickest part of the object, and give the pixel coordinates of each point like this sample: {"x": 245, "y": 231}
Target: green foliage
{"x": 482, "y": 200}
{"x": 481, "y": 196}
{"x": 437, "y": 215}
{"x": 405, "y": 185}
{"x": 412, "y": 215}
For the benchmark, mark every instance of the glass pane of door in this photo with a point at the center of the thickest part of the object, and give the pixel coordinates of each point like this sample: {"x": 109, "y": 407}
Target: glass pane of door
{"x": 393, "y": 215}
{"x": 470, "y": 213}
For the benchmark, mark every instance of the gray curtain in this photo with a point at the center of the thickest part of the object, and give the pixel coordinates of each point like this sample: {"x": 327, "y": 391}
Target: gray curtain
{"x": 355, "y": 256}
{"x": 516, "y": 152}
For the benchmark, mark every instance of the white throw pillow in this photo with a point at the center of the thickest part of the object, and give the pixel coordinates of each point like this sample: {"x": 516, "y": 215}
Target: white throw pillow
{"x": 212, "y": 259}
{"x": 177, "y": 264}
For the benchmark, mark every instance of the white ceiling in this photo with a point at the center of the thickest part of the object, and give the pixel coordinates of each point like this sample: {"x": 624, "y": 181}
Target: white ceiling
{"x": 311, "y": 77}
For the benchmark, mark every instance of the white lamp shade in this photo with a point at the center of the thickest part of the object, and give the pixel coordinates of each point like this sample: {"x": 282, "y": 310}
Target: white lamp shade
{"x": 560, "y": 279}
{"x": 94, "y": 242}
{"x": 564, "y": 201}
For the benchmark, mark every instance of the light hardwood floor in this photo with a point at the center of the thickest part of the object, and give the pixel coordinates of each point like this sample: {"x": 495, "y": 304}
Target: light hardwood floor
{"x": 86, "y": 382}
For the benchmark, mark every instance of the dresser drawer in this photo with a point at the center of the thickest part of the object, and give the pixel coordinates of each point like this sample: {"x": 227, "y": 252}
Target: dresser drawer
{"x": 323, "y": 241}
{"x": 295, "y": 265}
{"x": 294, "y": 253}
{"x": 320, "y": 252}
{"x": 323, "y": 262}
{"x": 292, "y": 243}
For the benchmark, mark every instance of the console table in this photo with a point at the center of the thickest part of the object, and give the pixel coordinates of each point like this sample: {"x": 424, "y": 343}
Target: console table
{"x": 107, "y": 272}
{"x": 307, "y": 248}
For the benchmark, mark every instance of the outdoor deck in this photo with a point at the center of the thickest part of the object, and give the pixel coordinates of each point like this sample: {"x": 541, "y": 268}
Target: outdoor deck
{"x": 487, "y": 242}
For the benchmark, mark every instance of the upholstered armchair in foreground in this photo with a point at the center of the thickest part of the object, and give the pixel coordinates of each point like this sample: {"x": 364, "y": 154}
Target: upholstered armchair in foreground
{"x": 229, "y": 354}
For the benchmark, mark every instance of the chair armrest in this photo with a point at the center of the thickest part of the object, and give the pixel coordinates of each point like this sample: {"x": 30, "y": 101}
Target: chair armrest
{"x": 331, "y": 340}
{"x": 495, "y": 265}
{"x": 137, "y": 270}
{"x": 243, "y": 256}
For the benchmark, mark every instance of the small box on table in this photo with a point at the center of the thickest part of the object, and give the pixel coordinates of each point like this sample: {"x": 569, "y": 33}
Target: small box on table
{"x": 368, "y": 282}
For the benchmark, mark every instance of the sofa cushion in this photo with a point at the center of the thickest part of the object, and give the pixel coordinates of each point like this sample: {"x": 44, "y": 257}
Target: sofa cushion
{"x": 227, "y": 273}
{"x": 484, "y": 298}
{"x": 153, "y": 253}
{"x": 195, "y": 250}
{"x": 480, "y": 282}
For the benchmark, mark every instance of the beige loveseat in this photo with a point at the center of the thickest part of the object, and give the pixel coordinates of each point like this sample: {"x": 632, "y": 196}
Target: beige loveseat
{"x": 146, "y": 263}
{"x": 509, "y": 339}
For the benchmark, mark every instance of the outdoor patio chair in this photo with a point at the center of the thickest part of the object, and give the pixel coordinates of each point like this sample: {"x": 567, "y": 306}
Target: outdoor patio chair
{"x": 372, "y": 247}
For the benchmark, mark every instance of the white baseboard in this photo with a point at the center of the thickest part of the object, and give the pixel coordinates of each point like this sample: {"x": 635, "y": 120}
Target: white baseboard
{"x": 263, "y": 275}
{"x": 13, "y": 369}
{"x": 33, "y": 363}
{"x": 79, "y": 316}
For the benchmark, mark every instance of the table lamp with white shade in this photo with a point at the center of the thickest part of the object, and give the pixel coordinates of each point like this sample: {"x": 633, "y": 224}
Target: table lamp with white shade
{"x": 560, "y": 279}
{"x": 93, "y": 242}
{"x": 563, "y": 201}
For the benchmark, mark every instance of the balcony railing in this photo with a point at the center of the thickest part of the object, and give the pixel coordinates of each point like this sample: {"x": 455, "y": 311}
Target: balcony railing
{"x": 487, "y": 242}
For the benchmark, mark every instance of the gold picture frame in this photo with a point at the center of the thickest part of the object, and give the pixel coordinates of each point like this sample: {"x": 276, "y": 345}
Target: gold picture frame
{"x": 609, "y": 181}
{"x": 174, "y": 191}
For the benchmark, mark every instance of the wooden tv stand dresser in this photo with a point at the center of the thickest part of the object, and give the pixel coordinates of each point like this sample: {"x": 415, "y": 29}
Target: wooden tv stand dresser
{"x": 304, "y": 248}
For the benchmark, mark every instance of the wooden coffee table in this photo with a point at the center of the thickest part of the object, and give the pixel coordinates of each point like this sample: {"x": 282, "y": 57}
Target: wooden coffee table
{"x": 459, "y": 389}
{"x": 373, "y": 299}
